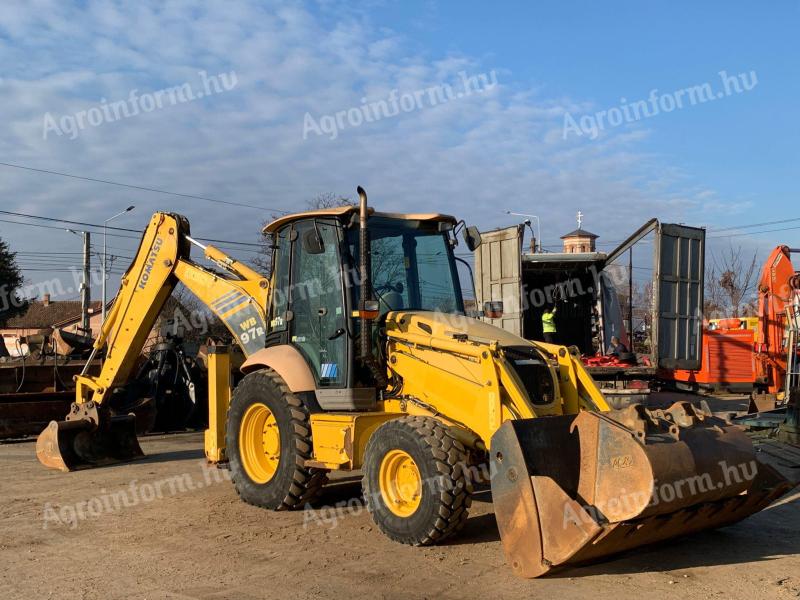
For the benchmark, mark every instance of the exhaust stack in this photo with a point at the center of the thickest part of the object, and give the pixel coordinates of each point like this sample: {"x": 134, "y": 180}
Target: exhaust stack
{"x": 365, "y": 275}
{"x": 369, "y": 308}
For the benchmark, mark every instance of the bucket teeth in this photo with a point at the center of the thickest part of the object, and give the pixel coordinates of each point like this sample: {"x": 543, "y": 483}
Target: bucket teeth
{"x": 620, "y": 480}
{"x": 88, "y": 437}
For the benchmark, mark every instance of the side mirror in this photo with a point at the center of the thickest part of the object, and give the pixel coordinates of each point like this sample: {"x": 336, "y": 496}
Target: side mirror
{"x": 493, "y": 310}
{"x": 312, "y": 242}
{"x": 472, "y": 237}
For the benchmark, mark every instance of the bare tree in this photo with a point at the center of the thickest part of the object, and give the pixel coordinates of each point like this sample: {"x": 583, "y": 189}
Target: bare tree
{"x": 714, "y": 297}
{"x": 731, "y": 283}
{"x": 329, "y": 200}
{"x": 640, "y": 337}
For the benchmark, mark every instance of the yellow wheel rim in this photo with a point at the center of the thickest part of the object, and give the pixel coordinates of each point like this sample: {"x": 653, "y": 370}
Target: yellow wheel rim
{"x": 259, "y": 443}
{"x": 401, "y": 483}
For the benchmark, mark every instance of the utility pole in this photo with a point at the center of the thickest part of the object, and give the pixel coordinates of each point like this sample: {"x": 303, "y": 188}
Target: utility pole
{"x": 630, "y": 299}
{"x": 86, "y": 292}
{"x": 85, "y": 287}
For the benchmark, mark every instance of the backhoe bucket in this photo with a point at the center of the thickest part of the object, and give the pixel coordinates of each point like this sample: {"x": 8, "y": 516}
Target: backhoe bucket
{"x": 88, "y": 437}
{"x": 576, "y": 488}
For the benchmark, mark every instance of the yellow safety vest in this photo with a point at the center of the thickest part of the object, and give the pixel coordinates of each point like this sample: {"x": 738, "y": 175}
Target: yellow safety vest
{"x": 548, "y": 322}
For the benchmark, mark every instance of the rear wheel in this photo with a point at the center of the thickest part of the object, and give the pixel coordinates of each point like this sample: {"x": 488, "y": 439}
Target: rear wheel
{"x": 268, "y": 440}
{"x": 415, "y": 481}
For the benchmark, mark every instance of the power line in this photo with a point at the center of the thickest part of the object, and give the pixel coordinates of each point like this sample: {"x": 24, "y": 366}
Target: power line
{"x": 119, "y": 235}
{"x": 101, "y": 227}
{"x": 53, "y": 219}
{"x": 43, "y": 263}
{"x": 83, "y": 224}
{"x": 74, "y": 259}
{"x": 758, "y": 224}
{"x": 62, "y": 270}
{"x": 756, "y": 232}
{"x": 56, "y": 265}
{"x": 30, "y": 252}
{"x": 31, "y": 224}
{"x": 73, "y": 256}
{"x": 56, "y": 261}
{"x": 143, "y": 188}
{"x": 110, "y": 247}
{"x": 715, "y": 230}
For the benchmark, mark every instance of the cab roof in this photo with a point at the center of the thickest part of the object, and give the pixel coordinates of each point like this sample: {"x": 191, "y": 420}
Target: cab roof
{"x": 344, "y": 211}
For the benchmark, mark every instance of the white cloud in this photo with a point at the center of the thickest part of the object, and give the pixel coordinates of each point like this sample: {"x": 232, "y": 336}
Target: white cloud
{"x": 473, "y": 157}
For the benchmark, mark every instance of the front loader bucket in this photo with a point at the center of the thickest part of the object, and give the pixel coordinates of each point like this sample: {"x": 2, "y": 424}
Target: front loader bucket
{"x": 88, "y": 438}
{"x": 576, "y": 488}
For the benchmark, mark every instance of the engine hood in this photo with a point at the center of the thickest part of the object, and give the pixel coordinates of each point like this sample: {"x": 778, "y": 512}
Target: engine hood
{"x": 449, "y": 326}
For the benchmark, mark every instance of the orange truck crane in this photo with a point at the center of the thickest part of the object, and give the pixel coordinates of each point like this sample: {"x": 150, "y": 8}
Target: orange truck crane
{"x": 778, "y": 279}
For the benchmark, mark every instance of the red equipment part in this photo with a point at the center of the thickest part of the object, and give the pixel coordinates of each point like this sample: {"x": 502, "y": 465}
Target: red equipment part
{"x": 606, "y": 361}
{"x": 728, "y": 361}
{"x": 775, "y": 290}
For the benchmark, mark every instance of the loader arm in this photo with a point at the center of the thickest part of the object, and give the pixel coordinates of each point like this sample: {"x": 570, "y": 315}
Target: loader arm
{"x": 90, "y": 434}
{"x": 444, "y": 361}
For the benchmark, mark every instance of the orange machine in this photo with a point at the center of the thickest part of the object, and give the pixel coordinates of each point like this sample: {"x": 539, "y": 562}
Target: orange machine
{"x": 728, "y": 361}
{"x": 737, "y": 357}
{"x": 778, "y": 279}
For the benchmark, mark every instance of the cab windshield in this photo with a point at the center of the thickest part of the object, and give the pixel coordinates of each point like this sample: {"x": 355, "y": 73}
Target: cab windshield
{"x": 412, "y": 266}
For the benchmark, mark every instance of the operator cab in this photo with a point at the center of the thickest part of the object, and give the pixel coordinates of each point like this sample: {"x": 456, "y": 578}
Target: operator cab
{"x": 317, "y": 288}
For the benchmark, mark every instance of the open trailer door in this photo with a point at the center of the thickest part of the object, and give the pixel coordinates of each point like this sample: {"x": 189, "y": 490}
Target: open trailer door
{"x": 498, "y": 275}
{"x": 676, "y": 311}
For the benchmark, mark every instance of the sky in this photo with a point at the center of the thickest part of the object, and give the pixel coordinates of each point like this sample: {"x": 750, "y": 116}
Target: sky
{"x": 297, "y": 101}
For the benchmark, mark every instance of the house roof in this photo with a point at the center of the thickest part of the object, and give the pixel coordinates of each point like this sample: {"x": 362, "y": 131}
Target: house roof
{"x": 580, "y": 233}
{"x": 39, "y": 316}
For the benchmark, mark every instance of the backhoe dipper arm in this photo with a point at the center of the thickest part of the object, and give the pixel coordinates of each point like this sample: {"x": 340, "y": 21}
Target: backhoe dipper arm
{"x": 160, "y": 263}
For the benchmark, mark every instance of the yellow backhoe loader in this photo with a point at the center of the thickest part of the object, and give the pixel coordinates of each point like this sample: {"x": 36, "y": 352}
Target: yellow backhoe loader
{"x": 360, "y": 356}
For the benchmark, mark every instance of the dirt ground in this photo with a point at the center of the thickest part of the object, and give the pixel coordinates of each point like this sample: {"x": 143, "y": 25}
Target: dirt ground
{"x": 184, "y": 534}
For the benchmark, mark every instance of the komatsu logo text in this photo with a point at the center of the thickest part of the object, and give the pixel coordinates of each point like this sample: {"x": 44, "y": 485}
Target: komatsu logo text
{"x": 151, "y": 260}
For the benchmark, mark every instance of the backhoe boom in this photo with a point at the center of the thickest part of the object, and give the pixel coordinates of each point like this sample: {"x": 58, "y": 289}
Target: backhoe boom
{"x": 161, "y": 262}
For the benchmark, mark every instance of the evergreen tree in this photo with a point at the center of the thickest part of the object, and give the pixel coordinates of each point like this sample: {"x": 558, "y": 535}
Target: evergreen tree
{"x": 11, "y": 280}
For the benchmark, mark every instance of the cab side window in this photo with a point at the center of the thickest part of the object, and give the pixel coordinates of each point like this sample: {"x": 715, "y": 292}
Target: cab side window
{"x": 280, "y": 281}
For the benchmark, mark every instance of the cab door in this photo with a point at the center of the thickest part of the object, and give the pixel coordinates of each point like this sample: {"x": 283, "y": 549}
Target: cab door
{"x": 308, "y": 301}
{"x": 316, "y": 301}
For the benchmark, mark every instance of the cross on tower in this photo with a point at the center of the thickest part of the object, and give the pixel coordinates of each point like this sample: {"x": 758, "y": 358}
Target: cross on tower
{"x": 580, "y": 219}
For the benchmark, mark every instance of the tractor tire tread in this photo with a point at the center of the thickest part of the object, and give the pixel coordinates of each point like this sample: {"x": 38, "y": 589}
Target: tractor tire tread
{"x": 305, "y": 482}
{"x": 450, "y": 458}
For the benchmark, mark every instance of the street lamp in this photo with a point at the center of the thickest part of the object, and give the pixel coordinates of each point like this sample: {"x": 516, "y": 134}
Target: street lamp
{"x": 105, "y": 271}
{"x": 538, "y": 228}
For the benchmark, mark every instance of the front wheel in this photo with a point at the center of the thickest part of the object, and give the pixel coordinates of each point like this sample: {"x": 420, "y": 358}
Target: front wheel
{"x": 415, "y": 481}
{"x": 268, "y": 440}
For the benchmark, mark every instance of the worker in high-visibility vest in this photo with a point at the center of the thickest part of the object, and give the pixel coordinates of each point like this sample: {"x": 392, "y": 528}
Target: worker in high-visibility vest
{"x": 549, "y": 324}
